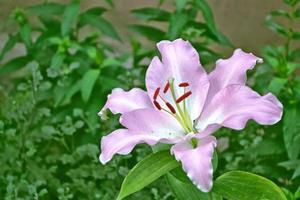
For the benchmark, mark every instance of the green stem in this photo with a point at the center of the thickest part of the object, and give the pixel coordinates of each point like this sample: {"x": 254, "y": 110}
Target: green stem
{"x": 210, "y": 196}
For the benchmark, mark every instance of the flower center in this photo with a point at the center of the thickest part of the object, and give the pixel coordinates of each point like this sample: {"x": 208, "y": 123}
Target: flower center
{"x": 177, "y": 108}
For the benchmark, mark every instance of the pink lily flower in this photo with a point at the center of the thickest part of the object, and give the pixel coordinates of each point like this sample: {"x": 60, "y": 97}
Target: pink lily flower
{"x": 184, "y": 105}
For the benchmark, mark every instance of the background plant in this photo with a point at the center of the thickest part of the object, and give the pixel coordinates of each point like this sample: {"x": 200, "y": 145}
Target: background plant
{"x": 273, "y": 151}
{"x": 50, "y": 95}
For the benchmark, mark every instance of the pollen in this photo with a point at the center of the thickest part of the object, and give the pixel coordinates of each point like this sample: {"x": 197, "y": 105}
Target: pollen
{"x": 156, "y": 93}
{"x": 183, "y": 97}
{"x": 184, "y": 84}
{"x": 157, "y": 105}
{"x": 167, "y": 87}
{"x": 171, "y": 108}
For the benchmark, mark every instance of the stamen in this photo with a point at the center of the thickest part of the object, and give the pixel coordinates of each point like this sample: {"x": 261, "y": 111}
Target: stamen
{"x": 172, "y": 109}
{"x": 184, "y": 96}
{"x": 157, "y": 105}
{"x": 184, "y": 84}
{"x": 156, "y": 93}
{"x": 167, "y": 87}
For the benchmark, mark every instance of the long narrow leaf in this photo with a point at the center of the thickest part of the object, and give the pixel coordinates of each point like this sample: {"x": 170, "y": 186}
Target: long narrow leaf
{"x": 147, "y": 171}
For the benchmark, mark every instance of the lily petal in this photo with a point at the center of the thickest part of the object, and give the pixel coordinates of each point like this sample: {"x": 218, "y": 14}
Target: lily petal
{"x": 153, "y": 122}
{"x": 197, "y": 162}
{"x": 231, "y": 71}
{"x": 180, "y": 61}
{"x": 233, "y": 106}
{"x": 122, "y": 141}
{"x": 120, "y": 101}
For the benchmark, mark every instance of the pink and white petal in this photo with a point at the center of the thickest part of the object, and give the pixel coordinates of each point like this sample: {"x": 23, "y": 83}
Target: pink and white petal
{"x": 122, "y": 141}
{"x": 197, "y": 162}
{"x": 120, "y": 101}
{"x": 180, "y": 61}
{"x": 153, "y": 122}
{"x": 231, "y": 71}
{"x": 233, "y": 106}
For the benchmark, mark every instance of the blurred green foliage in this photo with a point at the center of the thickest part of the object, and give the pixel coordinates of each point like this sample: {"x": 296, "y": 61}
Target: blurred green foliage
{"x": 50, "y": 96}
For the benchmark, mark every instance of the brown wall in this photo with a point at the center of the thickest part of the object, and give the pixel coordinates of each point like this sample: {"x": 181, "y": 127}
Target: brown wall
{"x": 240, "y": 20}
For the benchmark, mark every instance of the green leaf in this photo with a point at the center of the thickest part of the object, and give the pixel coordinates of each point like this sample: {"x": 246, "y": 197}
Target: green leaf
{"x": 71, "y": 92}
{"x": 291, "y": 130}
{"x": 110, "y": 2}
{"x": 147, "y": 171}
{"x": 47, "y": 9}
{"x": 276, "y": 85}
{"x": 10, "y": 43}
{"x": 25, "y": 33}
{"x": 297, "y": 193}
{"x": 57, "y": 60}
{"x": 94, "y": 11}
{"x": 87, "y": 83}
{"x": 276, "y": 27}
{"x": 296, "y": 14}
{"x": 100, "y": 23}
{"x": 155, "y": 14}
{"x": 13, "y": 65}
{"x": 209, "y": 19}
{"x": 149, "y": 32}
{"x": 238, "y": 185}
{"x": 180, "y": 4}
{"x": 184, "y": 191}
{"x": 291, "y": 2}
{"x": 296, "y": 172}
{"x": 290, "y": 164}
{"x": 69, "y": 17}
{"x": 177, "y": 23}
{"x": 280, "y": 13}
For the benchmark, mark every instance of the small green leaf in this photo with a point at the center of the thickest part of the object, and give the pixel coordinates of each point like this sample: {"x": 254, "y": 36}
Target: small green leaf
{"x": 149, "y": 32}
{"x": 57, "y": 60}
{"x": 87, "y": 83}
{"x": 10, "y": 43}
{"x": 291, "y": 130}
{"x": 13, "y": 65}
{"x": 280, "y": 13}
{"x": 110, "y": 2}
{"x": 180, "y": 4}
{"x": 69, "y": 17}
{"x": 177, "y": 23}
{"x": 147, "y": 171}
{"x": 278, "y": 28}
{"x": 47, "y": 9}
{"x": 25, "y": 33}
{"x": 209, "y": 19}
{"x": 100, "y": 23}
{"x": 238, "y": 185}
{"x": 297, "y": 193}
{"x": 296, "y": 172}
{"x": 94, "y": 11}
{"x": 155, "y": 14}
{"x": 276, "y": 85}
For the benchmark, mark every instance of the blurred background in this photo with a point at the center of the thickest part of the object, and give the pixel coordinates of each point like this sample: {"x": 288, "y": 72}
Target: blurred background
{"x": 60, "y": 59}
{"x": 241, "y": 21}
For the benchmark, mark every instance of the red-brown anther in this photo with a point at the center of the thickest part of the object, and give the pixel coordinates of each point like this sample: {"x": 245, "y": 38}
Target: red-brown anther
{"x": 157, "y": 105}
{"x": 184, "y": 96}
{"x": 171, "y": 108}
{"x": 156, "y": 93}
{"x": 167, "y": 87}
{"x": 184, "y": 84}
